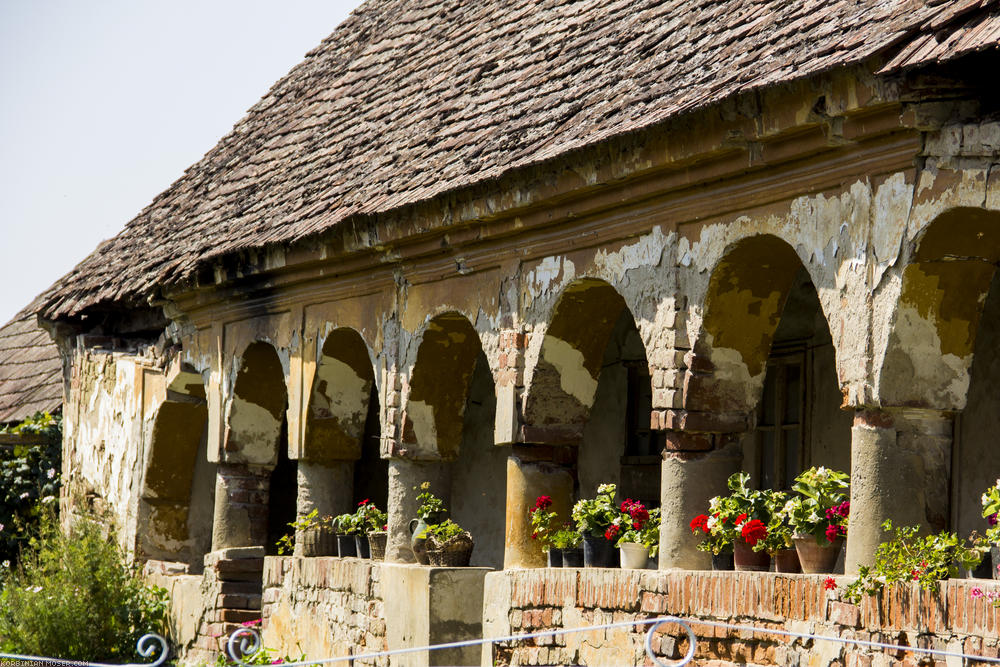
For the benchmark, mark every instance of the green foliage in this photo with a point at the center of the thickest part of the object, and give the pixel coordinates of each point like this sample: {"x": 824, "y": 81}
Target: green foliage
{"x": 911, "y": 557}
{"x": 286, "y": 543}
{"x": 73, "y": 597}
{"x": 345, "y": 524}
{"x": 991, "y": 508}
{"x": 28, "y": 474}
{"x": 543, "y": 521}
{"x": 565, "y": 538}
{"x": 593, "y": 516}
{"x": 368, "y": 518}
{"x": 442, "y": 532}
{"x": 821, "y": 491}
{"x": 721, "y": 528}
{"x": 650, "y": 533}
{"x": 263, "y": 656}
{"x": 430, "y": 505}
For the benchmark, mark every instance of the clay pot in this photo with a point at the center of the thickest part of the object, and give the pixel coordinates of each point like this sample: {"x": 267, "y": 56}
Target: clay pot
{"x": 633, "y": 556}
{"x": 787, "y": 561}
{"x": 723, "y": 562}
{"x": 748, "y": 560}
{"x": 817, "y": 558}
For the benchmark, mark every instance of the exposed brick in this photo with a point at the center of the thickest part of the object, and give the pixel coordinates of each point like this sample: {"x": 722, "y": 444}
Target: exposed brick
{"x": 844, "y": 614}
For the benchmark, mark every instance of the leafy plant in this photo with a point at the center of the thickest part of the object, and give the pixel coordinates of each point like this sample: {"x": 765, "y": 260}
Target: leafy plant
{"x": 28, "y": 474}
{"x": 566, "y": 537}
{"x": 72, "y": 596}
{"x": 542, "y": 521}
{"x": 430, "y": 505}
{"x": 991, "y": 508}
{"x": 442, "y": 532}
{"x": 346, "y": 524}
{"x": 630, "y": 524}
{"x": 595, "y": 516}
{"x": 909, "y": 556}
{"x": 369, "y": 518}
{"x": 745, "y": 516}
{"x": 286, "y": 543}
{"x": 822, "y": 507}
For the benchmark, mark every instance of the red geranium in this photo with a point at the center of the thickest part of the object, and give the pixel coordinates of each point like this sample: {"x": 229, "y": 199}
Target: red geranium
{"x": 543, "y": 502}
{"x": 829, "y": 584}
{"x": 753, "y": 531}
{"x": 611, "y": 532}
{"x": 700, "y": 522}
{"x": 363, "y": 503}
{"x": 741, "y": 518}
{"x": 833, "y": 532}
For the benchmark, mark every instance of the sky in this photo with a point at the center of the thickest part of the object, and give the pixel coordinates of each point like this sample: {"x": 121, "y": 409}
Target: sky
{"x": 103, "y": 104}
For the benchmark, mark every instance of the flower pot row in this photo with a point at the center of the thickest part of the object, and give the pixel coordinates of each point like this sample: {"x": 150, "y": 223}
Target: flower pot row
{"x": 319, "y": 541}
{"x": 628, "y": 556}
{"x": 805, "y": 557}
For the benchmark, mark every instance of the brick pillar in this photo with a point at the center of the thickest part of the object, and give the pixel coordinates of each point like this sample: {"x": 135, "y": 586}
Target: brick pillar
{"x": 231, "y": 593}
{"x": 900, "y": 470}
{"x": 526, "y": 480}
{"x": 241, "y": 498}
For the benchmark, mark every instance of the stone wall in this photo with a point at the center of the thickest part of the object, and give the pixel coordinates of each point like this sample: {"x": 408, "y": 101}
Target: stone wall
{"x": 524, "y": 601}
{"x": 329, "y": 607}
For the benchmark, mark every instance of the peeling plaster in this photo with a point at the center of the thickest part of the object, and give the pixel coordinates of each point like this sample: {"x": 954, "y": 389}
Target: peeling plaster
{"x": 574, "y": 378}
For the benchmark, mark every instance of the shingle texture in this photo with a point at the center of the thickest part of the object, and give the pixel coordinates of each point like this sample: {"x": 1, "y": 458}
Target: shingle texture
{"x": 30, "y": 370}
{"x": 409, "y": 99}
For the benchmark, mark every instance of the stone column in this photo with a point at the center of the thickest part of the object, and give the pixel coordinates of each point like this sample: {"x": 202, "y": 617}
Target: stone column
{"x": 900, "y": 470}
{"x": 688, "y": 480}
{"x": 526, "y": 480}
{"x": 326, "y": 487}
{"x": 241, "y": 500}
{"x": 405, "y": 478}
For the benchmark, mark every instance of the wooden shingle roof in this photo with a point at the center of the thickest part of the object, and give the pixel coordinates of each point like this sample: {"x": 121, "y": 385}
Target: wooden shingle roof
{"x": 30, "y": 369}
{"x": 411, "y": 99}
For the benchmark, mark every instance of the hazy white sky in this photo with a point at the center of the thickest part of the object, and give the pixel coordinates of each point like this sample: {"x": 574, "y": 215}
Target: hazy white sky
{"x": 103, "y": 104}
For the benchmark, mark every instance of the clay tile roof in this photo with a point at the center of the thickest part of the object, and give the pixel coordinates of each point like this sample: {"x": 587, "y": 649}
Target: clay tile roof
{"x": 30, "y": 369}
{"x": 410, "y": 99}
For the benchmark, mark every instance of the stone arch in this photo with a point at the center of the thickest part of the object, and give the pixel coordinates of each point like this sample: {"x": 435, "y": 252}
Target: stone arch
{"x": 256, "y": 409}
{"x": 564, "y": 381}
{"x": 932, "y": 336}
{"x": 340, "y": 461}
{"x": 177, "y": 491}
{"x": 439, "y": 387}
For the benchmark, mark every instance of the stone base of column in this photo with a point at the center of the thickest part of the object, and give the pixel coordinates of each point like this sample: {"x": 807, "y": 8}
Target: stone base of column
{"x": 327, "y": 488}
{"x": 687, "y": 482}
{"x": 405, "y": 478}
{"x": 241, "y": 498}
{"x": 526, "y": 480}
{"x": 900, "y": 470}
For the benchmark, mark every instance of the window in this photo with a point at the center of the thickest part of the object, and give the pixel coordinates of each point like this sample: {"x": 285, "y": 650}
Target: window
{"x": 779, "y": 452}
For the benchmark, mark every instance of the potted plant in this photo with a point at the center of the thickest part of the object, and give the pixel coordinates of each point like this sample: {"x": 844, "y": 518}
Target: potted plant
{"x": 779, "y": 540}
{"x": 566, "y": 540}
{"x": 630, "y": 525}
{"x": 430, "y": 512}
{"x": 991, "y": 508}
{"x": 448, "y": 544}
{"x": 543, "y": 521}
{"x": 741, "y": 519}
{"x": 344, "y": 527}
{"x": 311, "y": 535}
{"x": 650, "y": 536}
{"x": 371, "y": 521}
{"x": 715, "y": 529}
{"x": 594, "y": 518}
{"x": 819, "y": 516}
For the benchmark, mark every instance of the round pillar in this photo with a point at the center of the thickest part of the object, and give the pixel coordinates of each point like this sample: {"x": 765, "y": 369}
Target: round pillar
{"x": 327, "y": 488}
{"x": 526, "y": 480}
{"x": 405, "y": 478}
{"x": 687, "y": 482}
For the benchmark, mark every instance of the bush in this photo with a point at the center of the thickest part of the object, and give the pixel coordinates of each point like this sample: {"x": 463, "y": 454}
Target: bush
{"x": 74, "y": 597}
{"x": 28, "y": 474}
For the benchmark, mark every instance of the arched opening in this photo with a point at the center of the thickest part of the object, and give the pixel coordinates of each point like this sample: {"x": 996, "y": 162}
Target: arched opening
{"x": 340, "y": 464}
{"x": 591, "y": 390}
{"x": 178, "y": 486}
{"x": 766, "y": 358}
{"x": 450, "y": 414}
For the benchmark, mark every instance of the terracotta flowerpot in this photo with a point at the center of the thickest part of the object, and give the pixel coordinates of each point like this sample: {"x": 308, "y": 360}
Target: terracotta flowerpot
{"x": 817, "y": 558}
{"x": 723, "y": 562}
{"x": 787, "y": 561}
{"x": 555, "y": 557}
{"x": 748, "y": 560}
{"x": 572, "y": 557}
{"x": 633, "y": 556}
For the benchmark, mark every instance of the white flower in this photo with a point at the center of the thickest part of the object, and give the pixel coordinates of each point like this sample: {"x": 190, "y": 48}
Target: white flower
{"x": 789, "y": 506}
{"x": 48, "y": 499}
{"x": 24, "y": 495}
{"x": 985, "y": 499}
{"x": 36, "y": 589}
{"x": 1, "y": 527}
{"x": 714, "y": 503}
{"x": 6, "y": 563}
{"x": 711, "y": 522}
{"x": 821, "y": 473}
{"x": 50, "y": 473}
{"x": 814, "y": 518}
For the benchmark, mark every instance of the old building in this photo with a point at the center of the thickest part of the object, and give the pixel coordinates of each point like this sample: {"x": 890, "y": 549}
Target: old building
{"x": 515, "y": 249}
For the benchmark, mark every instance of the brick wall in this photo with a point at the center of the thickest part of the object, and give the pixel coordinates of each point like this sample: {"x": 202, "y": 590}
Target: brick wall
{"x": 521, "y": 601}
{"x": 323, "y": 607}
